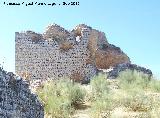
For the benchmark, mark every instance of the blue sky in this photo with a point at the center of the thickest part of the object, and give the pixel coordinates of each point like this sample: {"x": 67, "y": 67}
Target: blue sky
{"x": 133, "y": 25}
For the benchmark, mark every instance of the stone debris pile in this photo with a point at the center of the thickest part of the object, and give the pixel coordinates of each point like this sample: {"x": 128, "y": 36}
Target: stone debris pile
{"x": 114, "y": 72}
{"x": 16, "y": 99}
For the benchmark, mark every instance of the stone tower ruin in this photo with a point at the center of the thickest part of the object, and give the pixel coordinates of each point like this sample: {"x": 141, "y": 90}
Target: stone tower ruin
{"x": 59, "y": 53}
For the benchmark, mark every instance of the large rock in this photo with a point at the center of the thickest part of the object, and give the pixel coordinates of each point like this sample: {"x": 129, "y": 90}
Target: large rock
{"x": 102, "y": 54}
{"x": 16, "y": 99}
{"x": 110, "y": 56}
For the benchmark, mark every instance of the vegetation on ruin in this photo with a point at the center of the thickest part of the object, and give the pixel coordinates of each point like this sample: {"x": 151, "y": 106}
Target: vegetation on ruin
{"x": 132, "y": 94}
{"x": 76, "y": 77}
{"x": 78, "y": 32}
{"x": 65, "y": 46}
{"x": 107, "y": 59}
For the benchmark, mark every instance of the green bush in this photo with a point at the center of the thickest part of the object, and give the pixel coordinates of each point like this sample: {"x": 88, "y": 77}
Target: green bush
{"x": 133, "y": 79}
{"x": 155, "y": 85}
{"x": 99, "y": 86}
{"x": 137, "y": 101}
{"x": 135, "y": 93}
{"x": 131, "y": 94}
{"x": 101, "y": 101}
{"x": 76, "y": 94}
{"x": 103, "y": 104}
{"x": 60, "y": 97}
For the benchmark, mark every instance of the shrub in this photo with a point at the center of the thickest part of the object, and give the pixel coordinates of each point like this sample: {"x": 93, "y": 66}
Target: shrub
{"x": 76, "y": 95}
{"x": 155, "y": 85}
{"x": 101, "y": 98}
{"x": 103, "y": 104}
{"x": 99, "y": 86}
{"x": 132, "y": 79}
{"x": 137, "y": 101}
{"x": 60, "y": 97}
{"x": 89, "y": 61}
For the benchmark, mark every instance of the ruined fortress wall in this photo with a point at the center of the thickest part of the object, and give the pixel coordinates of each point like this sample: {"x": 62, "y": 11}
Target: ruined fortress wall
{"x": 44, "y": 59}
{"x": 16, "y": 99}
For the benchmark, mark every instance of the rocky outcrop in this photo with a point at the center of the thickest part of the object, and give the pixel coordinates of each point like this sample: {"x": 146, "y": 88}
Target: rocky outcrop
{"x": 102, "y": 54}
{"x": 96, "y": 40}
{"x": 16, "y": 99}
{"x": 110, "y": 56}
{"x": 113, "y": 73}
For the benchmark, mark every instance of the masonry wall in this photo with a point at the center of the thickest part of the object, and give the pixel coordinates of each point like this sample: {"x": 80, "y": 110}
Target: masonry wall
{"x": 16, "y": 99}
{"x": 44, "y": 59}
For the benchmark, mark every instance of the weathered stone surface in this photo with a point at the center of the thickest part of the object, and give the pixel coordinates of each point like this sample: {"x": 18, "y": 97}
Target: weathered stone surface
{"x": 96, "y": 40}
{"x": 77, "y": 31}
{"x": 102, "y": 54}
{"x": 110, "y": 56}
{"x": 113, "y": 73}
{"x": 55, "y": 32}
{"x": 35, "y": 36}
{"x": 53, "y": 58}
{"x": 16, "y": 99}
{"x": 60, "y": 53}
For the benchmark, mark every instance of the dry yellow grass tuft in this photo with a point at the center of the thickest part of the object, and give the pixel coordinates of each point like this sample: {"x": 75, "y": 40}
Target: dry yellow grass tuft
{"x": 64, "y": 46}
{"x": 107, "y": 59}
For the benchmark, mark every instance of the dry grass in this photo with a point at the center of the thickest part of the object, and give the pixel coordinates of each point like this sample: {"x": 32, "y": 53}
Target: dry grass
{"x": 64, "y": 46}
{"x": 54, "y": 33}
{"x": 76, "y": 77}
{"x": 26, "y": 76}
{"x": 107, "y": 59}
{"x": 78, "y": 32}
{"x": 128, "y": 100}
{"x": 89, "y": 61}
{"x": 60, "y": 98}
{"x": 35, "y": 36}
{"x": 131, "y": 99}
